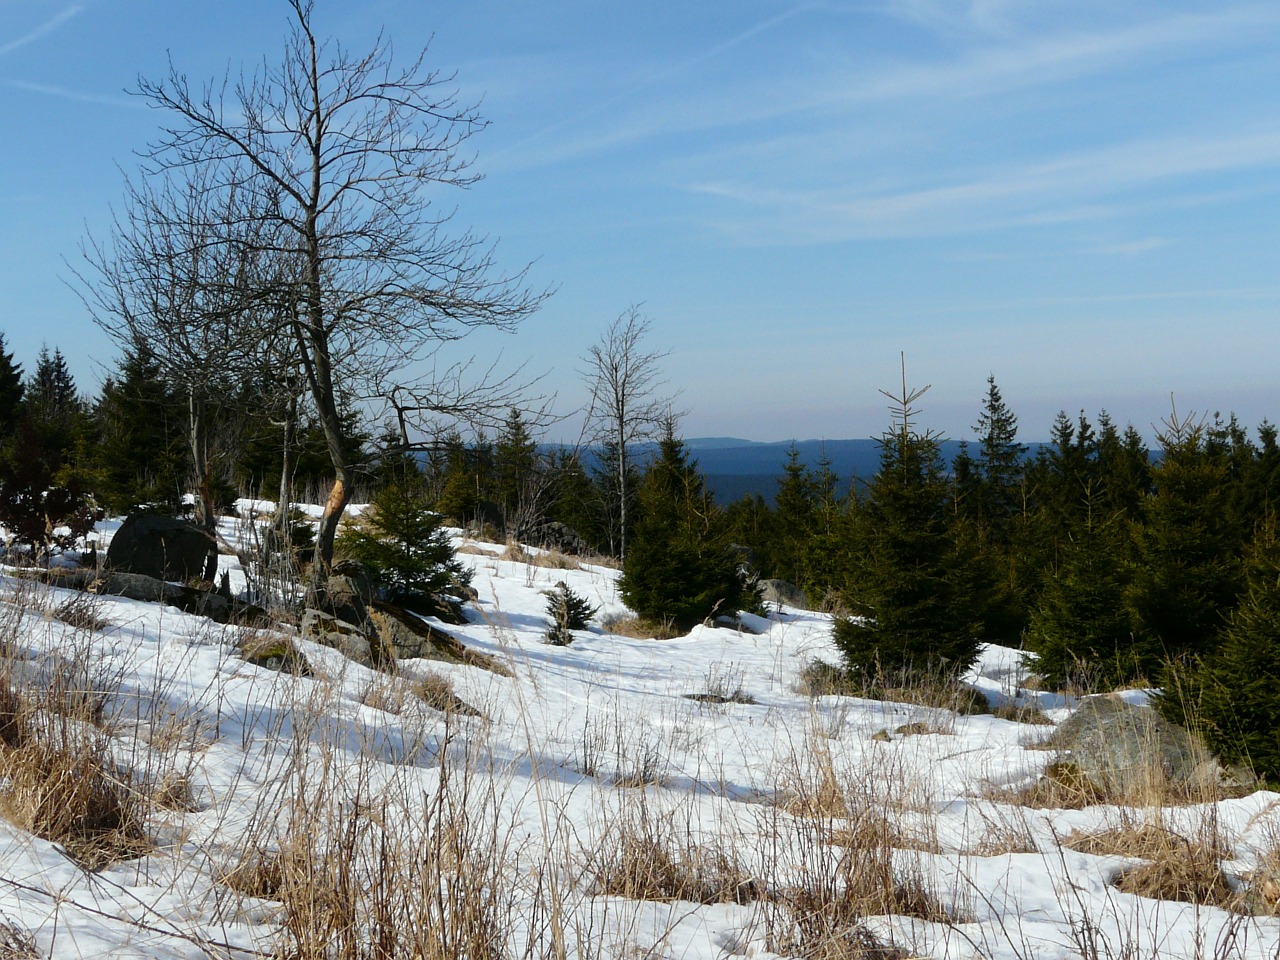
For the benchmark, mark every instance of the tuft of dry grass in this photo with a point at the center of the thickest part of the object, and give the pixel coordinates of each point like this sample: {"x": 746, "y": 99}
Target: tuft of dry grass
{"x": 637, "y": 628}
{"x": 16, "y": 942}
{"x": 1062, "y": 786}
{"x": 82, "y": 612}
{"x": 647, "y": 856}
{"x": 60, "y": 776}
{"x": 436, "y": 690}
{"x": 1182, "y": 868}
{"x": 274, "y": 651}
{"x": 838, "y": 839}
{"x": 821, "y": 679}
{"x": 1021, "y": 714}
{"x": 550, "y": 559}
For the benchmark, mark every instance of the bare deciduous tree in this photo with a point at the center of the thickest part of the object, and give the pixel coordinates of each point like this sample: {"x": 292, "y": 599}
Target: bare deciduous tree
{"x": 627, "y": 406}
{"x": 183, "y": 274}
{"x": 339, "y": 153}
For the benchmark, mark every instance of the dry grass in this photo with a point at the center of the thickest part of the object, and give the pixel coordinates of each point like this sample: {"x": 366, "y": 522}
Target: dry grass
{"x": 365, "y": 873}
{"x": 1005, "y": 831}
{"x": 273, "y": 650}
{"x": 821, "y": 679}
{"x": 835, "y": 851}
{"x": 436, "y": 691}
{"x": 1062, "y": 786}
{"x": 82, "y": 612}
{"x": 645, "y": 855}
{"x": 637, "y": 628}
{"x": 550, "y": 559}
{"x": 61, "y": 775}
{"x": 1181, "y": 867}
{"x": 16, "y": 942}
{"x": 1021, "y": 714}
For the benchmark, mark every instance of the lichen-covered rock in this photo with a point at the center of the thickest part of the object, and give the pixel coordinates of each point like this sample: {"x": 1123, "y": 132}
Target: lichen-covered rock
{"x": 1123, "y": 750}
{"x": 347, "y": 638}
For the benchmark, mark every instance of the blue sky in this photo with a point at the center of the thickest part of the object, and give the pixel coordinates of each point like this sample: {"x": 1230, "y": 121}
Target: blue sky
{"x": 1080, "y": 198}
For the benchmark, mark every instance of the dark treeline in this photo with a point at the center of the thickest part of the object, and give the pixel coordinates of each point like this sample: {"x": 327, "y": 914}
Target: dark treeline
{"x": 1113, "y": 563}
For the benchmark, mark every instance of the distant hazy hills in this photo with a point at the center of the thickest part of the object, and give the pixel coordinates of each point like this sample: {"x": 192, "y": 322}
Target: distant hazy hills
{"x": 735, "y": 468}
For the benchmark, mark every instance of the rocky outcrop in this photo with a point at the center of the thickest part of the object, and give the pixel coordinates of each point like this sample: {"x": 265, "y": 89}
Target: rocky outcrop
{"x": 347, "y": 638}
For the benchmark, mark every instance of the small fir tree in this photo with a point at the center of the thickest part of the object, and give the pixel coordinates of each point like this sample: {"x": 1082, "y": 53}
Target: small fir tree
{"x": 11, "y": 390}
{"x": 568, "y": 611}
{"x": 1187, "y": 574}
{"x": 680, "y": 566}
{"x": 1236, "y": 690}
{"x": 913, "y": 615}
{"x": 1080, "y": 631}
{"x": 142, "y": 455}
{"x": 405, "y": 545}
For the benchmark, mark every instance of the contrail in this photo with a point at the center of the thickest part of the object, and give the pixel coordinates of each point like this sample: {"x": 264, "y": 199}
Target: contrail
{"x": 45, "y": 28}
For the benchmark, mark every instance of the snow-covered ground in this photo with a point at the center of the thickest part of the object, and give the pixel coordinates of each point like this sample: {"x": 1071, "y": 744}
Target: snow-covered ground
{"x": 582, "y": 749}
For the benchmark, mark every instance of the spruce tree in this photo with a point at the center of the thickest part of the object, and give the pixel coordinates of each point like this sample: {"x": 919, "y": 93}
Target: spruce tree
{"x": 517, "y": 476}
{"x": 11, "y": 390}
{"x": 680, "y": 567}
{"x": 913, "y": 616}
{"x": 795, "y": 519}
{"x": 999, "y": 465}
{"x": 1187, "y": 574}
{"x": 1236, "y": 689}
{"x": 1080, "y": 630}
{"x": 141, "y": 454}
{"x": 405, "y": 544}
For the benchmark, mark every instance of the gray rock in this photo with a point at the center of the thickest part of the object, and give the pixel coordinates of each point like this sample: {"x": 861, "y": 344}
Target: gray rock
{"x": 137, "y": 586}
{"x": 782, "y": 592}
{"x": 165, "y": 548}
{"x": 1123, "y": 750}
{"x": 346, "y": 638}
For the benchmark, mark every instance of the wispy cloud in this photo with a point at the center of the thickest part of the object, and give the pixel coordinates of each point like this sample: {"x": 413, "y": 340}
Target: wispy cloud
{"x": 822, "y": 93}
{"x": 1085, "y": 186}
{"x": 41, "y": 31}
{"x": 75, "y": 95}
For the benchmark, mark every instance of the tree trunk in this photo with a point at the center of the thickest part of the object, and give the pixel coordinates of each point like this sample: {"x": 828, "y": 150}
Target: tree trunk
{"x": 197, "y": 421}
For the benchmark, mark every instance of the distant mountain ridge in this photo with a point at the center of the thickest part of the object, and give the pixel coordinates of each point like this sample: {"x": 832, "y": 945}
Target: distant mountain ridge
{"x": 735, "y": 467}
{"x": 751, "y": 467}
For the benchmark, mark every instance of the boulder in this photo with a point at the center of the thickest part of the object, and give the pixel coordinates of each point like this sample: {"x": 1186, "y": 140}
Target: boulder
{"x": 1123, "y": 750}
{"x": 780, "y": 592}
{"x": 347, "y": 638}
{"x": 165, "y": 548}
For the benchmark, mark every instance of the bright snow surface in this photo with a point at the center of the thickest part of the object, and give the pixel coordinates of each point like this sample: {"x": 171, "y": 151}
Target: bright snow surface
{"x": 579, "y": 743}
